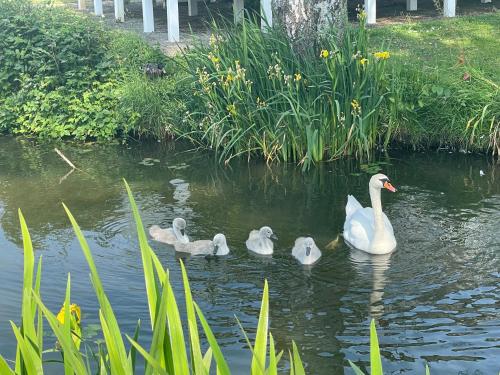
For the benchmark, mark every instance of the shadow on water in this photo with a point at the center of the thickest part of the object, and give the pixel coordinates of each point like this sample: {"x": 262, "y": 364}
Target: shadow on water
{"x": 435, "y": 299}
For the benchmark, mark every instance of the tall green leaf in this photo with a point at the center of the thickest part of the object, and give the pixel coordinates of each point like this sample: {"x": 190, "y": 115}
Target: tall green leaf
{"x": 260, "y": 346}
{"x": 196, "y": 356}
{"x": 181, "y": 364}
{"x": 375, "y": 360}
{"x": 222, "y": 367}
{"x": 297, "y": 362}
{"x": 4, "y": 367}
{"x": 123, "y": 365}
{"x": 147, "y": 264}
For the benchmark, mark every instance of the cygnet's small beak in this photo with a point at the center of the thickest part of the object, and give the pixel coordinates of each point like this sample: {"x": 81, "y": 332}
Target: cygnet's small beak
{"x": 183, "y": 231}
{"x": 274, "y": 237}
{"x": 216, "y": 248}
{"x": 308, "y": 251}
{"x": 389, "y": 187}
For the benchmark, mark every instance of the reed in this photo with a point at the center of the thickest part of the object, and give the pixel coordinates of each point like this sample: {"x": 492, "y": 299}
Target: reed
{"x": 254, "y": 95}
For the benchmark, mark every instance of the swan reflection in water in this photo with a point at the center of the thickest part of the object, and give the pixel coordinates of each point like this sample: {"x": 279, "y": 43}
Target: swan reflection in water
{"x": 367, "y": 265}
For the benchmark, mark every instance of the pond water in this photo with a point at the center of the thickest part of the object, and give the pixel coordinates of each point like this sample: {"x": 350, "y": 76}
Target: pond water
{"x": 436, "y": 299}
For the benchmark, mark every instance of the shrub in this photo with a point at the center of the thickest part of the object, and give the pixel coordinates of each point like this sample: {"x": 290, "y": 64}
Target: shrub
{"x": 65, "y": 75}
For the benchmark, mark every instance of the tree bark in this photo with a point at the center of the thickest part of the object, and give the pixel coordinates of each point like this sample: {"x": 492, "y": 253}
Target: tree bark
{"x": 306, "y": 20}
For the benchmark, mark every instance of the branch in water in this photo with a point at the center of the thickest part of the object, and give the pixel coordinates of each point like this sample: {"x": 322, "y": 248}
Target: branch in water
{"x": 65, "y": 158}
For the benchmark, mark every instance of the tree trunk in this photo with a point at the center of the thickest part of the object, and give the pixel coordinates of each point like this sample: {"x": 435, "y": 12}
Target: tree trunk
{"x": 306, "y": 20}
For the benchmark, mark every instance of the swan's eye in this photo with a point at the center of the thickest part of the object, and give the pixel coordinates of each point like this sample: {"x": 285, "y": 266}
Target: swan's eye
{"x": 384, "y": 180}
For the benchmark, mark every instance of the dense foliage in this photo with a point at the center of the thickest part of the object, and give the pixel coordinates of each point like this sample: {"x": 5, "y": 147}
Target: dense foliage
{"x": 247, "y": 92}
{"x": 254, "y": 95}
{"x": 63, "y": 74}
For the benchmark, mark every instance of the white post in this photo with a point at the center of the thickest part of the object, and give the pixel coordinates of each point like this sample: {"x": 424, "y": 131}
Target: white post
{"x": 449, "y": 8}
{"x": 266, "y": 13}
{"x": 81, "y": 5}
{"x": 98, "y": 7}
{"x": 192, "y": 7}
{"x": 238, "y": 10}
{"x": 148, "y": 18}
{"x": 411, "y": 5}
{"x": 371, "y": 11}
{"x": 173, "y": 20}
{"x": 119, "y": 11}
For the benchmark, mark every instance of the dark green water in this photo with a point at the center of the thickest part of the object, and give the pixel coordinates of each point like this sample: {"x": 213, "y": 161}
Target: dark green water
{"x": 436, "y": 299}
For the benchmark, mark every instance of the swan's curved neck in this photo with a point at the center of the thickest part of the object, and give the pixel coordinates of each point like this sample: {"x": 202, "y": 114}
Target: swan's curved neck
{"x": 179, "y": 235}
{"x": 377, "y": 209}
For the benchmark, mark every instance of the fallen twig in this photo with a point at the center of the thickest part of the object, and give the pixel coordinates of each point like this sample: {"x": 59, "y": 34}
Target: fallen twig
{"x": 65, "y": 158}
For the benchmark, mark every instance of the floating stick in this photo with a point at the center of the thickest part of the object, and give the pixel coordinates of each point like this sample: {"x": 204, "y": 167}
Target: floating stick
{"x": 65, "y": 158}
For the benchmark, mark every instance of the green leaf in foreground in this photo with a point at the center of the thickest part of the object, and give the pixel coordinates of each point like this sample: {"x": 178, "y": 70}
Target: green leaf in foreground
{"x": 375, "y": 360}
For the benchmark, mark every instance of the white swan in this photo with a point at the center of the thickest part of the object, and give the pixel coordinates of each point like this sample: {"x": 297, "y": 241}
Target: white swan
{"x": 217, "y": 246}
{"x": 368, "y": 229}
{"x": 170, "y": 235}
{"x": 306, "y": 251}
{"x": 259, "y": 241}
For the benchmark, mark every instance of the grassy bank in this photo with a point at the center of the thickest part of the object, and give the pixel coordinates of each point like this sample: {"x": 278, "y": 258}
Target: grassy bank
{"x": 447, "y": 73}
{"x": 419, "y": 85}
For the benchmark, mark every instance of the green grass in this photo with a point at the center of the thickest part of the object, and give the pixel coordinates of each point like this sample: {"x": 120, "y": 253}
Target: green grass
{"x": 447, "y": 73}
{"x": 438, "y": 44}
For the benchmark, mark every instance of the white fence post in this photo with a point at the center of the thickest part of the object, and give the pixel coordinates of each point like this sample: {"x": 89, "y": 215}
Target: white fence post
{"x": 119, "y": 10}
{"x": 371, "y": 11}
{"x": 266, "y": 12}
{"x": 98, "y": 7}
{"x": 173, "y": 20}
{"x": 148, "y": 18}
{"x": 411, "y": 5}
{"x": 449, "y": 8}
{"x": 192, "y": 7}
{"x": 81, "y": 5}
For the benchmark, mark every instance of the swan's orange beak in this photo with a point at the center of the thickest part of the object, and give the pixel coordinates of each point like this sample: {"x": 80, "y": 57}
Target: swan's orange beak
{"x": 389, "y": 187}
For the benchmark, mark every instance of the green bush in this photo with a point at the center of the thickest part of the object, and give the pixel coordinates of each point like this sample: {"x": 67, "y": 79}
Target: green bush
{"x": 65, "y": 75}
{"x": 55, "y": 78}
{"x": 255, "y": 95}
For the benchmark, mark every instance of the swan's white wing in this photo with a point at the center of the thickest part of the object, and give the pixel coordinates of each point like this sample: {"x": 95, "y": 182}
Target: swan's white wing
{"x": 254, "y": 234}
{"x": 201, "y": 247}
{"x": 352, "y": 206}
{"x": 253, "y": 240}
{"x": 358, "y": 228}
{"x": 162, "y": 235}
{"x": 299, "y": 245}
